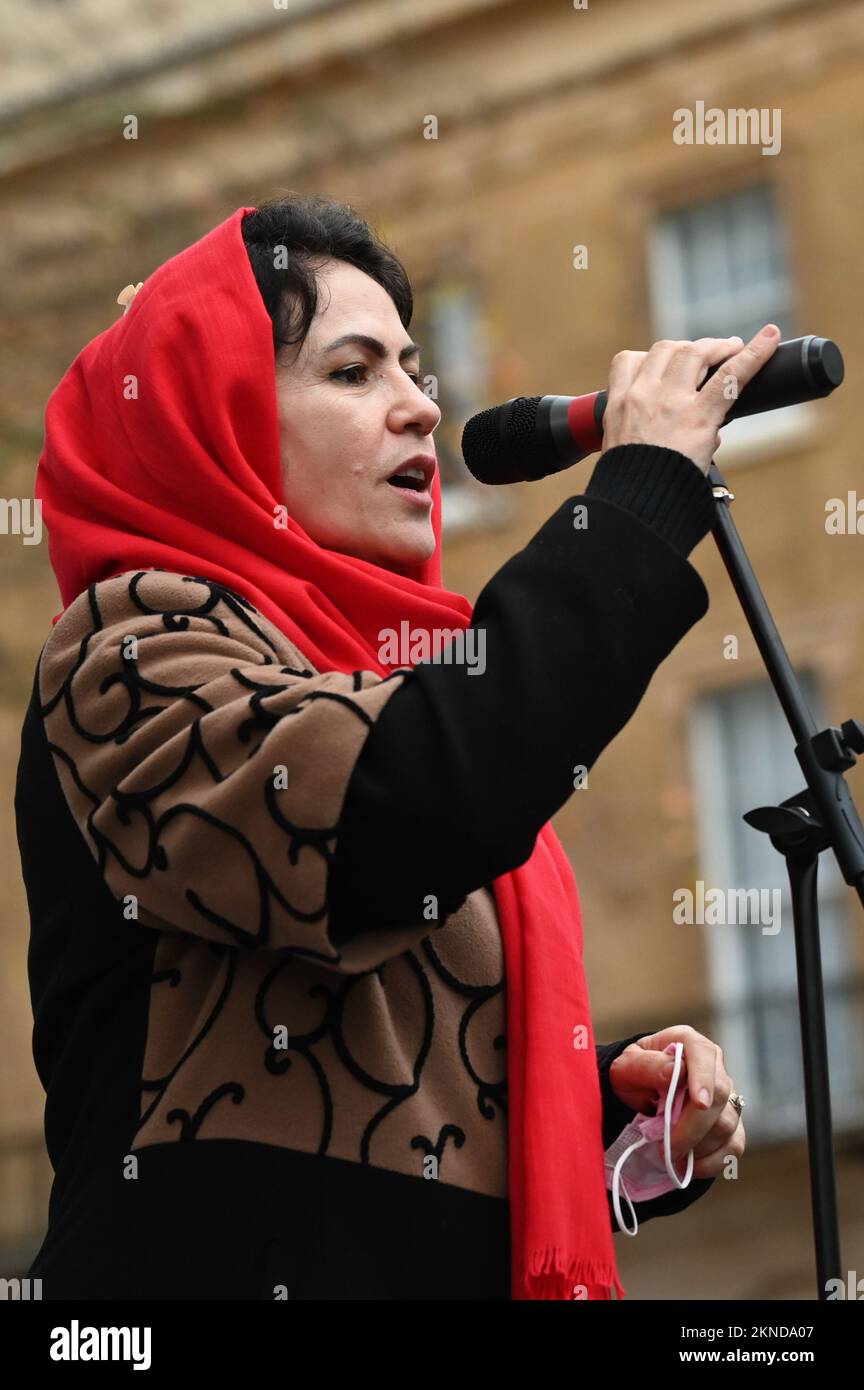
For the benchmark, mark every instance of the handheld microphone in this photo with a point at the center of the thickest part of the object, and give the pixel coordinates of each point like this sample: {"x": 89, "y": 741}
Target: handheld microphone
{"x": 530, "y": 437}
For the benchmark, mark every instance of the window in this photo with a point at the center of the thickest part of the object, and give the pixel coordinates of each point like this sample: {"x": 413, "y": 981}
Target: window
{"x": 447, "y": 323}
{"x": 719, "y": 267}
{"x": 742, "y": 757}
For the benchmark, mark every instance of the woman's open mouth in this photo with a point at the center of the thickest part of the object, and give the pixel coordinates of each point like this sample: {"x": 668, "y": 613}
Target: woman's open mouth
{"x": 412, "y": 485}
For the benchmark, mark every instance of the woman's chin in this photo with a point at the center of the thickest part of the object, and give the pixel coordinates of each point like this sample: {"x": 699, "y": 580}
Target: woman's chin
{"x": 397, "y": 553}
{"x": 406, "y": 551}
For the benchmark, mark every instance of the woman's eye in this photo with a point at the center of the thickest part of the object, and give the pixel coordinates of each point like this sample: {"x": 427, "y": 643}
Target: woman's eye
{"x": 343, "y": 372}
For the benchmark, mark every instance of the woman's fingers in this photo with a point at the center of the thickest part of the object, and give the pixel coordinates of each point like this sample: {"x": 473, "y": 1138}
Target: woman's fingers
{"x": 662, "y": 397}
{"x": 687, "y": 363}
{"x": 712, "y": 1133}
{"x": 709, "y": 1157}
{"x": 739, "y": 370}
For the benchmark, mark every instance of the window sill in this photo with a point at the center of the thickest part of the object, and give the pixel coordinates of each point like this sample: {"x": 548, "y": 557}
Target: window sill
{"x": 756, "y": 437}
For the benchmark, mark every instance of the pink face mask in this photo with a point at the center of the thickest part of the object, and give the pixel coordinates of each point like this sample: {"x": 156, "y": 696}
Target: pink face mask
{"x": 644, "y": 1146}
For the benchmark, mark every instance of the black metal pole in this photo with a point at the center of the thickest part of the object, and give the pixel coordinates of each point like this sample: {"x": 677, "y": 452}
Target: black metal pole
{"x": 823, "y": 815}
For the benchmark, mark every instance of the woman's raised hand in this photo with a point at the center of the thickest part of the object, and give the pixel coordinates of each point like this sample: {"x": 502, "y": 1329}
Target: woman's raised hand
{"x": 654, "y": 398}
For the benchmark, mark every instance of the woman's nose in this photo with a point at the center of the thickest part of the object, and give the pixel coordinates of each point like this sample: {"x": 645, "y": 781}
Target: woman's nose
{"x": 421, "y": 409}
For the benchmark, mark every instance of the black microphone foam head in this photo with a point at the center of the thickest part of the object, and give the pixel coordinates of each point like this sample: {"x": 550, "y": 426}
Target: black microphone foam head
{"x": 500, "y": 444}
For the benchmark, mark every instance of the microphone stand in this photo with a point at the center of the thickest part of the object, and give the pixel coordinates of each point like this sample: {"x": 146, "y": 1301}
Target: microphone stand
{"x": 822, "y": 816}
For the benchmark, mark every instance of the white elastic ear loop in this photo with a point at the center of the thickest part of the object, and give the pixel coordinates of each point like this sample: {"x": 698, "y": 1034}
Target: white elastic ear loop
{"x": 667, "y": 1148}
{"x": 667, "y": 1128}
{"x": 616, "y": 1182}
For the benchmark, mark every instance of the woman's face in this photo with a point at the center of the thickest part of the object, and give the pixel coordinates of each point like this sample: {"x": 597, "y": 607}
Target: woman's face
{"x": 348, "y": 418}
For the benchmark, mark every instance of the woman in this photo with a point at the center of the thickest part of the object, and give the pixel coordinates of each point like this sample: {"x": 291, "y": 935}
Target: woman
{"x": 287, "y": 900}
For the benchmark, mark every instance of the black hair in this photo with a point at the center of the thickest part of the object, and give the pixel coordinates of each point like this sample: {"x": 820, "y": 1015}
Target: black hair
{"x": 314, "y": 228}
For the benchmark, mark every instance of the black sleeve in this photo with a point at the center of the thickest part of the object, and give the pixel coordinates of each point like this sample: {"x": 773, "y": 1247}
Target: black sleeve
{"x": 616, "y": 1115}
{"x": 461, "y": 771}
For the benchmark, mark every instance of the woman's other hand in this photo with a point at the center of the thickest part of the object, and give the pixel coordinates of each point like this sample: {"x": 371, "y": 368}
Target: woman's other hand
{"x": 713, "y": 1130}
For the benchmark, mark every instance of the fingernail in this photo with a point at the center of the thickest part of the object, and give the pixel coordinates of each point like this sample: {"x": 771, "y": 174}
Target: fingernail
{"x": 771, "y": 331}
{"x": 704, "y": 1097}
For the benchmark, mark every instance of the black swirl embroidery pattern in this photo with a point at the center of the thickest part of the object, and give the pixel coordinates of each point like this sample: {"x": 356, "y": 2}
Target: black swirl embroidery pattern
{"x": 439, "y": 989}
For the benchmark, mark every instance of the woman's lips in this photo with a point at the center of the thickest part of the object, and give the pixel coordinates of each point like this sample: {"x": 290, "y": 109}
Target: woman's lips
{"x": 420, "y": 499}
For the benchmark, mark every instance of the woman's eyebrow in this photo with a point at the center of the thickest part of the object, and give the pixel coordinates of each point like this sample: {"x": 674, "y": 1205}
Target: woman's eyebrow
{"x": 372, "y": 344}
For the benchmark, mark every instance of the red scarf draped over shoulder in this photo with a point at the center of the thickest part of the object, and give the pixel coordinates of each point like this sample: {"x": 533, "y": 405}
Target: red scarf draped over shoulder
{"x": 161, "y": 451}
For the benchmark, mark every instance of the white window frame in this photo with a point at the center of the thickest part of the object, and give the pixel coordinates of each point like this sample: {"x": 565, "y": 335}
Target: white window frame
{"x": 753, "y": 436}
{"x": 726, "y": 956}
{"x": 467, "y": 506}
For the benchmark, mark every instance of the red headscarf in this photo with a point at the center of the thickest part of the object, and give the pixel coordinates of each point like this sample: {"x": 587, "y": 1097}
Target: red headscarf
{"x": 162, "y": 451}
